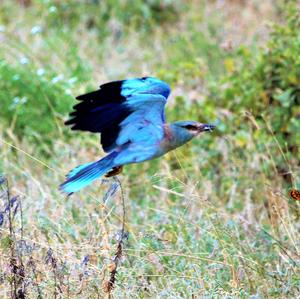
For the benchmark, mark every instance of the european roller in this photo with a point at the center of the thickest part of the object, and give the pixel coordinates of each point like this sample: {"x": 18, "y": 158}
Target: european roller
{"x": 130, "y": 117}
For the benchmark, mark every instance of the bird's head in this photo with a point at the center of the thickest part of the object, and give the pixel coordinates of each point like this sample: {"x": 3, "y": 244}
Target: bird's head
{"x": 186, "y": 130}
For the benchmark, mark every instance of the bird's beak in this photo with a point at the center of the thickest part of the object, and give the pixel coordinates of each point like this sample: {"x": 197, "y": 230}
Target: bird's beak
{"x": 206, "y": 127}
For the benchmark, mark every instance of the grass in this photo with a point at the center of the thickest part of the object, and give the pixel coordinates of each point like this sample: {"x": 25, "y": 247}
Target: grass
{"x": 213, "y": 219}
{"x": 190, "y": 231}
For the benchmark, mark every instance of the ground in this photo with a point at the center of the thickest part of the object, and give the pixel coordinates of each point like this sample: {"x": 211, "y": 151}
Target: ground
{"x": 213, "y": 219}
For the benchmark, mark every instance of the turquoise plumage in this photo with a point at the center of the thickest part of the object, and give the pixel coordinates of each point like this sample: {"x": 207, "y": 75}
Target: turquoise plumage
{"x": 130, "y": 117}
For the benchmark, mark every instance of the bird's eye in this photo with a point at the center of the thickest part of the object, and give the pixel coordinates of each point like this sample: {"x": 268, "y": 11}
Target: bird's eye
{"x": 191, "y": 127}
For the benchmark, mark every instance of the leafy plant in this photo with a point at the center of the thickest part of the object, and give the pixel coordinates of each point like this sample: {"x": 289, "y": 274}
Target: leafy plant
{"x": 266, "y": 83}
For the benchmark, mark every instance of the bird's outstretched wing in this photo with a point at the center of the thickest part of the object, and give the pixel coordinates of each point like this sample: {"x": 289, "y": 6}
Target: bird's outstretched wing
{"x": 123, "y": 111}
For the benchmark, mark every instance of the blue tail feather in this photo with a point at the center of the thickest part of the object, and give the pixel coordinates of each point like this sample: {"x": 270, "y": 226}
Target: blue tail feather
{"x": 75, "y": 170}
{"x": 85, "y": 174}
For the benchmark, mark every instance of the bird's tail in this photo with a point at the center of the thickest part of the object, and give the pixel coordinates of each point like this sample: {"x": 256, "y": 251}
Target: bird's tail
{"x": 85, "y": 174}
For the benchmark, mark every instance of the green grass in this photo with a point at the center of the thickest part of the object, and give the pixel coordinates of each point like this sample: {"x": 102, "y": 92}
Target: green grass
{"x": 213, "y": 219}
{"x": 190, "y": 231}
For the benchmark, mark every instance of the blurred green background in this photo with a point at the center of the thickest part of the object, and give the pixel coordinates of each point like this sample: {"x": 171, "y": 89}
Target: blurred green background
{"x": 222, "y": 198}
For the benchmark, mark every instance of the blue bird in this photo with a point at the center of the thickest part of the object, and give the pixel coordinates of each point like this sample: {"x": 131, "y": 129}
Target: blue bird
{"x": 129, "y": 115}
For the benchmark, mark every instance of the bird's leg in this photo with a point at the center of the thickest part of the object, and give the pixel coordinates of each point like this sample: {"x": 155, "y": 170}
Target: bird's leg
{"x": 114, "y": 171}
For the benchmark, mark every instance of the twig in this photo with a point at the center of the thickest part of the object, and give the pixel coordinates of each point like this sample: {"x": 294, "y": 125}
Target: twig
{"x": 113, "y": 266}
{"x": 51, "y": 259}
{"x": 123, "y": 207}
{"x": 16, "y": 266}
{"x": 21, "y": 270}
{"x": 13, "y": 261}
{"x": 32, "y": 265}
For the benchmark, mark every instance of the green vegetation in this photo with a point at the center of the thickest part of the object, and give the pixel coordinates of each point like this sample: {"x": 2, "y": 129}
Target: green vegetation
{"x": 214, "y": 219}
{"x": 267, "y": 83}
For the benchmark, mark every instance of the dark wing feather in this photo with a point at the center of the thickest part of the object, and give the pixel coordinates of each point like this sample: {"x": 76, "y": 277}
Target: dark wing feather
{"x": 103, "y": 111}
{"x": 109, "y": 136}
{"x": 99, "y": 109}
{"x": 100, "y": 112}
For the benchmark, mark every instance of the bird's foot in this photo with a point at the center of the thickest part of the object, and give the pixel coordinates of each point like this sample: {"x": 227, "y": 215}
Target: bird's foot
{"x": 114, "y": 171}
